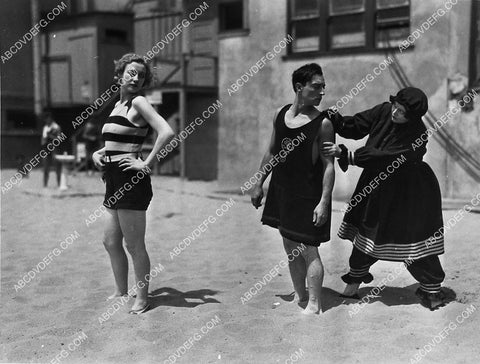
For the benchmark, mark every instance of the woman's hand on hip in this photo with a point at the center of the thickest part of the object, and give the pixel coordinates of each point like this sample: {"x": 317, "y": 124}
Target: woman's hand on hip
{"x": 98, "y": 160}
{"x": 133, "y": 164}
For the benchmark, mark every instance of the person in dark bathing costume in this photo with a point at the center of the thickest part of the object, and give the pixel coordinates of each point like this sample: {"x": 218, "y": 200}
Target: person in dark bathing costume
{"x": 51, "y": 131}
{"x": 395, "y": 212}
{"x": 298, "y": 202}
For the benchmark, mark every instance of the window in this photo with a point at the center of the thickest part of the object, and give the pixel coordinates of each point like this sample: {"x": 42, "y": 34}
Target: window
{"x": 474, "y": 61}
{"x": 347, "y": 25}
{"x": 20, "y": 119}
{"x": 115, "y": 36}
{"x": 232, "y": 16}
{"x": 305, "y": 19}
{"x": 392, "y": 22}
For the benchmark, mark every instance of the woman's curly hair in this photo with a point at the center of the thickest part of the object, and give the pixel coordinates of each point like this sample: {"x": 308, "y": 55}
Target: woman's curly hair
{"x": 127, "y": 59}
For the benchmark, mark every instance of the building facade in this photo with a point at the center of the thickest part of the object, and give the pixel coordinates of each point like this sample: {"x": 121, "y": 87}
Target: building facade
{"x": 239, "y": 56}
{"x": 63, "y": 61}
{"x": 384, "y": 44}
{"x": 73, "y": 66}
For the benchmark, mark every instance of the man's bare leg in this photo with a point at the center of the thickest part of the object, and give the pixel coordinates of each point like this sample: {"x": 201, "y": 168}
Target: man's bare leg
{"x": 314, "y": 279}
{"x": 298, "y": 269}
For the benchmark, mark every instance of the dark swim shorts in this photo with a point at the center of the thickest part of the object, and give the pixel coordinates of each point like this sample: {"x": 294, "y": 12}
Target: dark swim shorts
{"x": 129, "y": 190}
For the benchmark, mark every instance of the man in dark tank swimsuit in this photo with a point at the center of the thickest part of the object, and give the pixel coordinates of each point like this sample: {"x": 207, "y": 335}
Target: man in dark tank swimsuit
{"x": 298, "y": 203}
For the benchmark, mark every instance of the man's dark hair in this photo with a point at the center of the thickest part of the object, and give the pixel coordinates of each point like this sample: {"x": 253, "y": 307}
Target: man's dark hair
{"x": 305, "y": 74}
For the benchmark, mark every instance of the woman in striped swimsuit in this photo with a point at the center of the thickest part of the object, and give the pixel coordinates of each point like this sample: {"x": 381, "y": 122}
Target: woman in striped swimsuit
{"x": 128, "y": 187}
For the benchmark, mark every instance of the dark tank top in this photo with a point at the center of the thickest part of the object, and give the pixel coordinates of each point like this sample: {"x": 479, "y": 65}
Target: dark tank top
{"x": 296, "y": 171}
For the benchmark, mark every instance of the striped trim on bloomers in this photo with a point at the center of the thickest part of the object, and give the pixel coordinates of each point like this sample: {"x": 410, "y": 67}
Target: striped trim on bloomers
{"x": 359, "y": 273}
{"x": 393, "y": 252}
{"x": 431, "y": 287}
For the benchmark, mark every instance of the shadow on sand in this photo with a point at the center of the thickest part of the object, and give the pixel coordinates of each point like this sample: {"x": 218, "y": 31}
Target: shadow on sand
{"x": 389, "y": 296}
{"x": 167, "y": 296}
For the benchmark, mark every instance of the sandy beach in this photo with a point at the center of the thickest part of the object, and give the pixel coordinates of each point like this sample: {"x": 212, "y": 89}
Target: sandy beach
{"x": 197, "y": 313}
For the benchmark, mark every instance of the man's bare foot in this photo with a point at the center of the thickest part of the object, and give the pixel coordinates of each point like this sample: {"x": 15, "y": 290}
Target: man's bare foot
{"x": 351, "y": 290}
{"x": 300, "y": 298}
{"x": 312, "y": 309}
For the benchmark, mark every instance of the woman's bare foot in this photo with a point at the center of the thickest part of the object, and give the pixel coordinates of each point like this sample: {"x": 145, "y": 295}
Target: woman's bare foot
{"x": 116, "y": 295}
{"x": 139, "y": 307}
{"x": 139, "y": 303}
{"x": 351, "y": 290}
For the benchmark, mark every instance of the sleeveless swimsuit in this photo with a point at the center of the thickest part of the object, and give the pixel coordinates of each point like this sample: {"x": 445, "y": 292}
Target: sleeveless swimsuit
{"x": 130, "y": 190}
{"x": 297, "y": 182}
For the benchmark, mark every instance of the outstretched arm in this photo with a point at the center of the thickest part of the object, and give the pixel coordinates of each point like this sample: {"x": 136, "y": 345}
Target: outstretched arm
{"x": 357, "y": 126}
{"x": 366, "y": 157}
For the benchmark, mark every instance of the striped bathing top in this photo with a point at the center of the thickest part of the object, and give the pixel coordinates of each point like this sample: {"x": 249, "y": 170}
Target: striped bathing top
{"x": 122, "y": 136}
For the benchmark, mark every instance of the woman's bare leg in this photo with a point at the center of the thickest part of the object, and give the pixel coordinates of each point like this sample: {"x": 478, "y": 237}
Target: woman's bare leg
{"x": 314, "y": 279}
{"x": 112, "y": 241}
{"x": 133, "y": 223}
{"x": 298, "y": 269}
